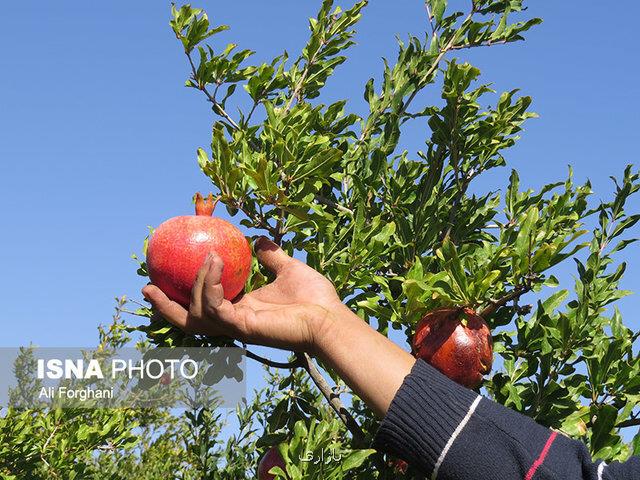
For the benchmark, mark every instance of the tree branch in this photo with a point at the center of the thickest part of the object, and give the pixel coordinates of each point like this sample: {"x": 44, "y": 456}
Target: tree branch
{"x": 488, "y": 43}
{"x": 217, "y": 107}
{"x": 298, "y": 88}
{"x": 629, "y": 423}
{"x": 333, "y": 399}
{"x": 271, "y": 363}
{"x": 430, "y": 17}
{"x": 307, "y": 68}
{"x": 330, "y": 203}
{"x": 494, "y": 305}
{"x": 44, "y": 448}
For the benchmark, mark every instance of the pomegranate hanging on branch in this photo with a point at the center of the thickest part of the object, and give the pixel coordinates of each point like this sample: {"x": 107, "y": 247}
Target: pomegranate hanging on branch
{"x": 456, "y": 341}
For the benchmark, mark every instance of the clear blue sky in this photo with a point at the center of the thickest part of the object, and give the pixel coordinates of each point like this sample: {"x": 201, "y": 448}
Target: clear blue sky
{"x": 98, "y": 135}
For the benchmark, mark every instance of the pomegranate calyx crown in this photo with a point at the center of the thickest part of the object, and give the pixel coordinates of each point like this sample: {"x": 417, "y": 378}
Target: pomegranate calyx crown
{"x": 206, "y": 206}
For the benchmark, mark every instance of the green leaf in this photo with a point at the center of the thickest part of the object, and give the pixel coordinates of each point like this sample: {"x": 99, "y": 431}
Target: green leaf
{"x": 438, "y": 8}
{"x": 554, "y": 301}
{"x": 603, "y": 426}
{"x": 635, "y": 444}
{"x": 355, "y": 459}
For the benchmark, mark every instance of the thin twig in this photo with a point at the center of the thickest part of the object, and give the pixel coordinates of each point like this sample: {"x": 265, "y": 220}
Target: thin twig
{"x": 430, "y": 17}
{"x": 330, "y": 203}
{"x": 280, "y": 228}
{"x": 253, "y": 109}
{"x": 271, "y": 363}
{"x": 494, "y": 305}
{"x": 629, "y": 423}
{"x": 217, "y": 107}
{"x": 298, "y": 88}
{"x": 307, "y": 68}
{"x": 53, "y": 432}
{"x": 488, "y": 43}
{"x": 258, "y": 220}
{"x": 44, "y": 447}
{"x": 333, "y": 399}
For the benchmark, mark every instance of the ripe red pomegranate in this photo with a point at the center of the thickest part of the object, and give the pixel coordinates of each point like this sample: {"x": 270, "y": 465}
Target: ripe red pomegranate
{"x": 271, "y": 459}
{"x": 178, "y": 247}
{"x": 456, "y": 341}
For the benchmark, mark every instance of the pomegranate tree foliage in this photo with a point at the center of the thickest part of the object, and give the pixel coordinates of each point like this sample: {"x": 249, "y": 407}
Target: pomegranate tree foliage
{"x": 399, "y": 232}
{"x": 402, "y": 232}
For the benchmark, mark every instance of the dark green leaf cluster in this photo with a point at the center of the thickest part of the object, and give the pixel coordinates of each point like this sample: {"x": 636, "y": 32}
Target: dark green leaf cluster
{"x": 572, "y": 365}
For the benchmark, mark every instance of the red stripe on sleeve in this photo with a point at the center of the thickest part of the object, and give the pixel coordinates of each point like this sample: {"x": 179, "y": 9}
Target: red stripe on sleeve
{"x": 540, "y": 460}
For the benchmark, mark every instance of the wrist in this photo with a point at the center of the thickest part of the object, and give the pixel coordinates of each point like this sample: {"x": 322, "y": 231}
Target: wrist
{"x": 329, "y": 324}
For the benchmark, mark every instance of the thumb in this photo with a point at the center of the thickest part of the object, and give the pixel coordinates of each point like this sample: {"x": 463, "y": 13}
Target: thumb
{"x": 271, "y": 255}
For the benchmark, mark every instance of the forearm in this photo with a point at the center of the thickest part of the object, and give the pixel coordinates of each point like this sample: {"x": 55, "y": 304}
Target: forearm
{"x": 372, "y": 365}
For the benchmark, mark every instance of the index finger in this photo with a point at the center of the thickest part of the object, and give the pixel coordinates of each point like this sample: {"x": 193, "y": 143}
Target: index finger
{"x": 172, "y": 311}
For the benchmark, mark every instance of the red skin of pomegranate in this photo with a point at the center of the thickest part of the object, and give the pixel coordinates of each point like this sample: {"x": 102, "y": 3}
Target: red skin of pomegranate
{"x": 399, "y": 466}
{"x": 456, "y": 341}
{"x": 178, "y": 248}
{"x": 271, "y": 459}
{"x": 165, "y": 379}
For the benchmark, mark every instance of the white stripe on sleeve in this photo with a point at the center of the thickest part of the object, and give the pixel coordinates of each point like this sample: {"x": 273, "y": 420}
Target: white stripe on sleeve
{"x": 455, "y": 434}
{"x": 601, "y": 470}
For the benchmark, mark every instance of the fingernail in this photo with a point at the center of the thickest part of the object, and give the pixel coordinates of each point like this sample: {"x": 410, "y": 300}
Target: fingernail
{"x": 261, "y": 239}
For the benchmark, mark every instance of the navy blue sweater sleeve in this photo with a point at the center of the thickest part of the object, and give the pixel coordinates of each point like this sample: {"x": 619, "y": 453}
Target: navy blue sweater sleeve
{"x": 448, "y": 432}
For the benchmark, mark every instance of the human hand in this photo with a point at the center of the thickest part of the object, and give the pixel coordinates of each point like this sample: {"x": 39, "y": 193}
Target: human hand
{"x": 290, "y": 313}
{"x": 298, "y": 311}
